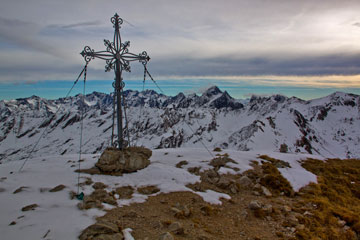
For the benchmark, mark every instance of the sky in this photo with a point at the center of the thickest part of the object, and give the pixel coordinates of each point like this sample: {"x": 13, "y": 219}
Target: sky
{"x": 302, "y": 48}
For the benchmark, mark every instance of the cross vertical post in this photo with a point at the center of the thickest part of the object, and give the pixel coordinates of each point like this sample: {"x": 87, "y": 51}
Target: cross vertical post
{"x": 118, "y": 58}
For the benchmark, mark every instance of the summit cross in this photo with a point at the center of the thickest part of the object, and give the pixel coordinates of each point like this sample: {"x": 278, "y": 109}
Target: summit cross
{"x": 117, "y": 57}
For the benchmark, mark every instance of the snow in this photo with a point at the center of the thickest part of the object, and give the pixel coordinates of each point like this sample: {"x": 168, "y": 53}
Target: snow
{"x": 59, "y": 214}
{"x": 127, "y": 234}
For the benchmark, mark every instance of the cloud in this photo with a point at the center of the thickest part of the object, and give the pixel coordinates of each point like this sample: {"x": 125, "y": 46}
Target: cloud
{"x": 357, "y": 24}
{"x": 74, "y": 25}
{"x": 23, "y": 35}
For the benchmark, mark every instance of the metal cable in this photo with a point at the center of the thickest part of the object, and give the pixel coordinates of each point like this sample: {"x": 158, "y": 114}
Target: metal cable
{"x": 113, "y": 121}
{"x": 81, "y": 128}
{"x": 185, "y": 114}
{"x": 154, "y": 81}
{"x": 54, "y": 116}
{"x": 126, "y": 119}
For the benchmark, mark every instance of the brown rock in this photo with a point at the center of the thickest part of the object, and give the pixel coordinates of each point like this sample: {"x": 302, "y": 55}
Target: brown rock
{"x": 266, "y": 191}
{"x": 254, "y": 205}
{"x": 268, "y": 208}
{"x": 286, "y": 208}
{"x": 101, "y": 230}
{"x": 176, "y": 228}
{"x": 181, "y": 163}
{"x": 115, "y": 236}
{"x": 20, "y": 189}
{"x": 127, "y": 160}
{"x": 57, "y": 188}
{"x": 124, "y": 192}
{"x": 148, "y": 190}
{"x": 223, "y": 183}
{"x": 166, "y": 236}
{"x": 29, "y": 207}
{"x": 245, "y": 181}
{"x": 99, "y": 185}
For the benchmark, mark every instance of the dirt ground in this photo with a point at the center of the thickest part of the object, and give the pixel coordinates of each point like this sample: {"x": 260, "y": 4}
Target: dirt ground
{"x": 262, "y": 206}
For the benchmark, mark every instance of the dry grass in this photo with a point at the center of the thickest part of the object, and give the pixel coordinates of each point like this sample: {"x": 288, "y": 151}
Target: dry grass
{"x": 333, "y": 203}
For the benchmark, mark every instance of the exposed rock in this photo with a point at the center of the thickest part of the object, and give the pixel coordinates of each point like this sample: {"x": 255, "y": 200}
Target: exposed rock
{"x": 256, "y": 193}
{"x": 20, "y": 189}
{"x": 96, "y": 198}
{"x": 300, "y": 227}
{"x": 12, "y": 223}
{"x": 148, "y": 190}
{"x": 220, "y": 161}
{"x": 101, "y": 230}
{"x": 254, "y": 205}
{"x": 99, "y": 185}
{"x": 181, "y": 211}
{"x": 257, "y": 186}
{"x": 176, "y": 228}
{"x": 115, "y": 236}
{"x": 292, "y": 220}
{"x": 266, "y": 191}
{"x": 57, "y": 188}
{"x": 341, "y": 223}
{"x": 127, "y": 160}
{"x": 194, "y": 170}
{"x": 124, "y": 192}
{"x": 268, "y": 208}
{"x": 181, "y": 163}
{"x": 245, "y": 181}
{"x": 29, "y": 207}
{"x": 286, "y": 208}
{"x": 166, "y": 236}
{"x": 223, "y": 183}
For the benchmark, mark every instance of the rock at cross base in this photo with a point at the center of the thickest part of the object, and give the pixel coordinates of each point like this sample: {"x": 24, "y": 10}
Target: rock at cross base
{"x": 127, "y": 160}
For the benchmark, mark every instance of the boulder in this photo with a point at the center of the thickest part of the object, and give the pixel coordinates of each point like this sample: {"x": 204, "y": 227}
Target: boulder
{"x": 57, "y": 188}
{"x": 99, "y": 185}
{"x": 166, "y": 236}
{"x": 176, "y": 228}
{"x": 254, "y": 205}
{"x": 101, "y": 230}
{"x": 245, "y": 181}
{"x": 266, "y": 191}
{"x": 127, "y": 160}
{"x": 29, "y": 207}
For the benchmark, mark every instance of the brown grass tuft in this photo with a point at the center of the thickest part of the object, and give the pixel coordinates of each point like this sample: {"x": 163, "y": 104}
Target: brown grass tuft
{"x": 333, "y": 200}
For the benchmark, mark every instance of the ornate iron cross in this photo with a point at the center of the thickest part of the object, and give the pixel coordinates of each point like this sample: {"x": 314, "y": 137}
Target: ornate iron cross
{"x": 117, "y": 57}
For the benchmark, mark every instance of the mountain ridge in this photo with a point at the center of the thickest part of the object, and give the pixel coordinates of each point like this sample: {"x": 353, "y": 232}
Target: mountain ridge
{"x": 323, "y": 126}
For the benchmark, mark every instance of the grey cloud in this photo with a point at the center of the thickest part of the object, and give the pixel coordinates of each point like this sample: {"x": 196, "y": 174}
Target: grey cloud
{"x": 74, "y": 25}
{"x": 223, "y": 66}
{"x": 357, "y": 24}
{"x": 23, "y": 35}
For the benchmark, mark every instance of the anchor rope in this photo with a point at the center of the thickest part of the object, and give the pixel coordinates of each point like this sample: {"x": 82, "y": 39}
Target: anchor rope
{"x": 194, "y": 134}
{"x": 81, "y": 128}
{"x": 53, "y": 117}
{"x": 126, "y": 119}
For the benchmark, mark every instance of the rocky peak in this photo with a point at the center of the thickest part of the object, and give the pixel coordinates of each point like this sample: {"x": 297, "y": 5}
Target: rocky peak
{"x": 212, "y": 91}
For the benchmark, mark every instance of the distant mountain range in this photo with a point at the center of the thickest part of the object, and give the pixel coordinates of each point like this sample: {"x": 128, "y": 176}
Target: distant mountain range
{"x": 329, "y": 126}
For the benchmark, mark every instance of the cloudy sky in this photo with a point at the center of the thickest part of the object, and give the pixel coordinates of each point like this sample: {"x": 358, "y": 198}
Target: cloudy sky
{"x": 291, "y": 47}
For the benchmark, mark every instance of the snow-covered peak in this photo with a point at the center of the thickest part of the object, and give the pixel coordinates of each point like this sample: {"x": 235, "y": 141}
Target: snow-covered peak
{"x": 326, "y": 126}
{"x": 212, "y": 91}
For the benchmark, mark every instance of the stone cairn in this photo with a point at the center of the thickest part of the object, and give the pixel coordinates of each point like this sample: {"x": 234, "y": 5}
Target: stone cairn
{"x": 127, "y": 160}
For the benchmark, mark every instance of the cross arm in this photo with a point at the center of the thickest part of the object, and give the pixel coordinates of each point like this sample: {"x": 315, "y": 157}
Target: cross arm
{"x": 90, "y": 54}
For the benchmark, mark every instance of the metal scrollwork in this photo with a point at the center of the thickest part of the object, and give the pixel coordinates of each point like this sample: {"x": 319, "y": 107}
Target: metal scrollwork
{"x": 109, "y": 46}
{"x": 143, "y": 57}
{"x": 88, "y": 54}
{"x": 118, "y": 58}
{"x": 116, "y": 20}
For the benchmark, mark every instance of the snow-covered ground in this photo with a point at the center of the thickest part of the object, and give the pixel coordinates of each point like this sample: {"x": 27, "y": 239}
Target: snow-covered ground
{"x": 59, "y": 214}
